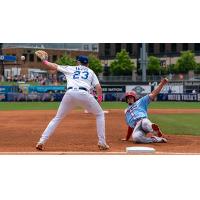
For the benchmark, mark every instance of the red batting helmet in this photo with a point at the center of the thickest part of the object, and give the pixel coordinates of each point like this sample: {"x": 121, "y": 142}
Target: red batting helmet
{"x": 131, "y": 94}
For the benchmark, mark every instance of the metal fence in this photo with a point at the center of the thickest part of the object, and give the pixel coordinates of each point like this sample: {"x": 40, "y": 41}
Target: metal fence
{"x": 137, "y": 78}
{"x": 149, "y": 78}
{"x": 115, "y": 78}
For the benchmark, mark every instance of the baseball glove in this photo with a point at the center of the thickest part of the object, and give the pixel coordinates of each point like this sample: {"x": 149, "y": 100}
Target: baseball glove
{"x": 42, "y": 55}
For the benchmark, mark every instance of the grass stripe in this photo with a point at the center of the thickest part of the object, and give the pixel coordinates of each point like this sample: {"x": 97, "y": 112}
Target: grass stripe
{"x": 178, "y": 124}
{"x": 105, "y": 105}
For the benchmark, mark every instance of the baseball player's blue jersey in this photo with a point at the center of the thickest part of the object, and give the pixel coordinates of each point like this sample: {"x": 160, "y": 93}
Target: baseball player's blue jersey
{"x": 137, "y": 111}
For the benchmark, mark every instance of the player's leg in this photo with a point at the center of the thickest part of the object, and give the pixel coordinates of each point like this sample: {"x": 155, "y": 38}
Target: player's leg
{"x": 148, "y": 126}
{"x": 90, "y": 103}
{"x": 65, "y": 107}
{"x": 139, "y": 135}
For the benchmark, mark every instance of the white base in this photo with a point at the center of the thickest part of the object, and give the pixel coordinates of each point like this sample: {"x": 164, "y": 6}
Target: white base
{"x": 139, "y": 150}
{"x": 105, "y": 111}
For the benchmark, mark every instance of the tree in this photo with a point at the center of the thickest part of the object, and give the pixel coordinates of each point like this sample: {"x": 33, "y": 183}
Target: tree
{"x": 172, "y": 69}
{"x": 164, "y": 70}
{"x": 186, "y": 62}
{"x": 153, "y": 65}
{"x": 122, "y": 65}
{"x": 197, "y": 69}
{"x": 66, "y": 60}
{"x": 95, "y": 64}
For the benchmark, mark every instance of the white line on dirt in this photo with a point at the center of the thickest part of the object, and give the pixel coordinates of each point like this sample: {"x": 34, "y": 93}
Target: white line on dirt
{"x": 92, "y": 153}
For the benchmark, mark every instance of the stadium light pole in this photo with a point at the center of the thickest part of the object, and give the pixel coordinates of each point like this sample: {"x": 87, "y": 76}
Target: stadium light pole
{"x": 143, "y": 58}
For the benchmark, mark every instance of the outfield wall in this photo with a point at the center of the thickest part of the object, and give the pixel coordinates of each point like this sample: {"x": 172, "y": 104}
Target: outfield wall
{"x": 170, "y": 92}
{"x": 178, "y": 97}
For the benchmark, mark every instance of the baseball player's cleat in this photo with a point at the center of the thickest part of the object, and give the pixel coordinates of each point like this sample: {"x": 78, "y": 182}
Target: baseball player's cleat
{"x": 159, "y": 139}
{"x": 103, "y": 146}
{"x": 155, "y": 128}
{"x": 164, "y": 140}
{"x": 39, "y": 146}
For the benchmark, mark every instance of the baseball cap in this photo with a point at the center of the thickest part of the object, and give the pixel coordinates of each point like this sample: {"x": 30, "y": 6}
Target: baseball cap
{"x": 82, "y": 59}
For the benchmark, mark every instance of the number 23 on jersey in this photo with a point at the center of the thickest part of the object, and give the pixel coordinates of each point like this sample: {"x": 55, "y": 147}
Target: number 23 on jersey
{"x": 78, "y": 74}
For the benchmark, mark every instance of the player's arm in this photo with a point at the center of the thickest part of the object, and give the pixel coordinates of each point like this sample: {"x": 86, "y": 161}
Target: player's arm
{"x": 44, "y": 58}
{"x": 128, "y": 135}
{"x": 155, "y": 92}
{"x": 97, "y": 85}
{"x": 50, "y": 66}
{"x": 99, "y": 93}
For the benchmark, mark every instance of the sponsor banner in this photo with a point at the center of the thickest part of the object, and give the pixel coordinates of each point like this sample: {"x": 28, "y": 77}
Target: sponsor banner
{"x": 146, "y": 89}
{"x": 8, "y": 58}
{"x": 172, "y": 89}
{"x": 12, "y": 96}
{"x": 34, "y": 97}
{"x": 113, "y": 96}
{"x": 178, "y": 97}
{"x": 113, "y": 93}
{"x": 6, "y": 89}
{"x": 139, "y": 89}
{"x": 45, "y": 89}
{"x": 23, "y": 88}
{"x": 110, "y": 89}
{"x": 2, "y": 96}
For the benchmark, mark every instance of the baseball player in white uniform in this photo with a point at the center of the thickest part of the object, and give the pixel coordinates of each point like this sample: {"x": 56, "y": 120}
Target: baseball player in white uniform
{"x": 80, "y": 79}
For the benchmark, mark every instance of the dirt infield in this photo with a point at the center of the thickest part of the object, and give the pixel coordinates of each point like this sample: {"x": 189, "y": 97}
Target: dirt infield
{"x": 20, "y": 130}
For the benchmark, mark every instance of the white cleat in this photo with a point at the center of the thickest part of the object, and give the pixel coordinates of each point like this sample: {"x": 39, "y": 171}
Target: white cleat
{"x": 159, "y": 139}
{"x": 103, "y": 146}
{"x": 164, "y": 140}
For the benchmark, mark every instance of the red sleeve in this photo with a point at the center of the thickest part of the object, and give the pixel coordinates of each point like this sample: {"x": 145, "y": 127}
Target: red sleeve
{"x": 129, "y": 133}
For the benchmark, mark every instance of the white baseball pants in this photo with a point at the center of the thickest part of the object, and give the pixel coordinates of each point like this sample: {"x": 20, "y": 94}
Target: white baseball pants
{"x": 71, "y": 99}
{"x": 143, "y": 127}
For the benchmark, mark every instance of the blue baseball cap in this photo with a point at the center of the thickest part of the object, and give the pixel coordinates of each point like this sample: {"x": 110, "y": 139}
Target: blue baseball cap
{"x": 82, "y": 59}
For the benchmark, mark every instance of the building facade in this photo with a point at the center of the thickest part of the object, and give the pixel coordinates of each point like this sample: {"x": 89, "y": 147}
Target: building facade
{"x": 32, "y": 65}
{"x": 168, "y": 53}
{"x": 109, "y": 50}
{"x": 70, "y": 46}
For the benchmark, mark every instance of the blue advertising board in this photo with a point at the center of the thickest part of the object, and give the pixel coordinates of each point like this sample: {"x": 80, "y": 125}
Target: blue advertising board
{"x": 2, "y": 97}
{"x": 8, "y": 58}
{"x": 6, "y": 89}
{"x": 178, "y": 97}
{"x": 45, "y": 89}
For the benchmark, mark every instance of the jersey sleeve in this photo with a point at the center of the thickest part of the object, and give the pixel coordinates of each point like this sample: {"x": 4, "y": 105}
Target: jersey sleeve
{"x": 144, "y": 101}
{"x": 63, "y": 69}
{"x": 95, "y": 80}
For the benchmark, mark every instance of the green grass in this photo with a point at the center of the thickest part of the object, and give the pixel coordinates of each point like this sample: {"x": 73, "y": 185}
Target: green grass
{"x": 163, "y": 105}
{"x": 29, "y": 105}
{"x": 178, "y": 124}
{"x": 105, "y": 105}
{"x": 5, "y": 83}
{"x": 12, "y": 83}
{"x": 174, "y": 105}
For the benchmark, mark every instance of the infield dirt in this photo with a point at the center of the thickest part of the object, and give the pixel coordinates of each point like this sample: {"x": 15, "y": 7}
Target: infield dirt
{"x": 20, "y": 131}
